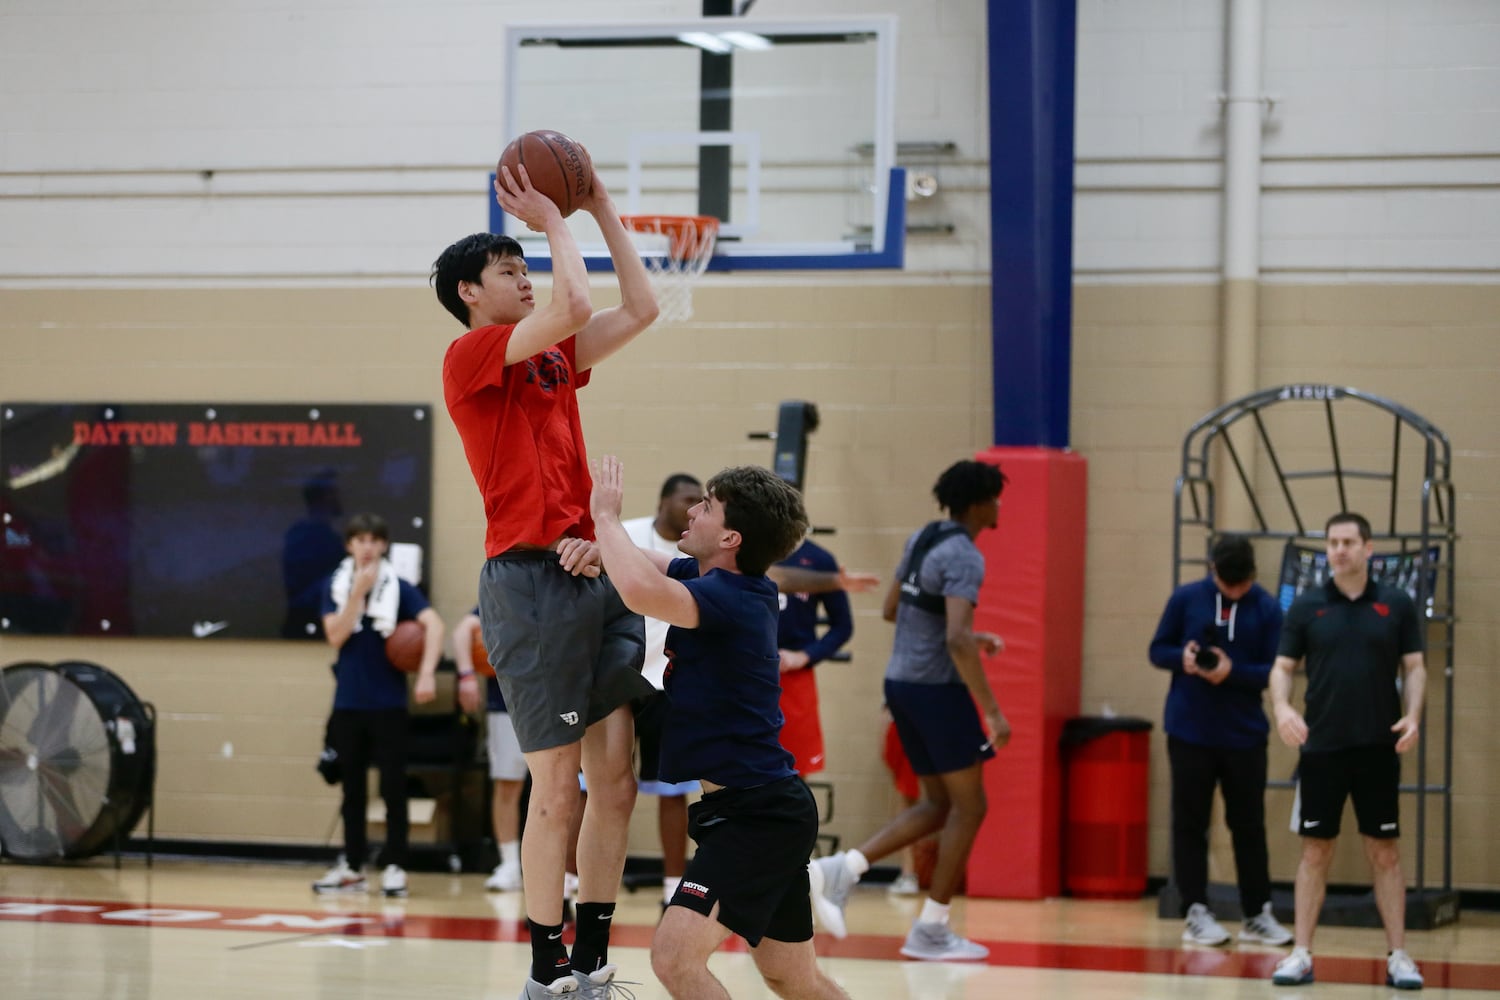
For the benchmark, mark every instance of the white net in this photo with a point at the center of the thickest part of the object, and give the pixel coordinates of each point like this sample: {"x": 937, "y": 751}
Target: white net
{"x": 676, "y": 249}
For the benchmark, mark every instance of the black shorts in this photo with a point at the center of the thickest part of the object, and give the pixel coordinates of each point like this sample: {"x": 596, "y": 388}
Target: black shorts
{"x": 567, "y": 652}
{"x": 1371, "y": 776}
{"x": 753, "y": 849}
{"x": 938, "y": 725}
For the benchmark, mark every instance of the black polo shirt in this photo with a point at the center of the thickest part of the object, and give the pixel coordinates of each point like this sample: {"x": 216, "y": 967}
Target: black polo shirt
{"x": 1353, "y": 651}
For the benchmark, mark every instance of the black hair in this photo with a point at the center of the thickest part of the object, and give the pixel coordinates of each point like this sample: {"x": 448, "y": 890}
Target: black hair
{"x": 966, "y": 483}
{"x": 677, "y": 480}
{"x": 765, "y": 510}
{"x": 367, "y": 524}
{"x": 1349, "y": 517}
{"x": 1234, "y": 559}
{"x": 464, "y": 261}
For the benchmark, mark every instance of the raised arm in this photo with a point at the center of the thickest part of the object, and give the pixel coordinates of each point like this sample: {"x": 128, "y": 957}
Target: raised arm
{"x": 641, "y": 584}
{"x": 569, "y": 308}
{"x": 610, "y": 329}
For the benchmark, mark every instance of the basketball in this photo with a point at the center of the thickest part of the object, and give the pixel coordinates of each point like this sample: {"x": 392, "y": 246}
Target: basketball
{"x": 481, "y": 657}
{"x": 404, "y": 646}
{"x": 557, "y": 166}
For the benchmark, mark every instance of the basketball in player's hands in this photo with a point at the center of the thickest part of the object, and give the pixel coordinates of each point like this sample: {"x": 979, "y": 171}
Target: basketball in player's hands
{"x": 557, "y": 166}
{"x": 403, "y": 647}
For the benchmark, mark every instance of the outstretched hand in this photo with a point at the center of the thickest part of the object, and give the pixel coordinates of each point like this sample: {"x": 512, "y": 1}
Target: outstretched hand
{"x": 598, "y": 199}
{"x": 608, "y": 497}
{"x": 857, "y": 583}
{"x": 519, "y": 199}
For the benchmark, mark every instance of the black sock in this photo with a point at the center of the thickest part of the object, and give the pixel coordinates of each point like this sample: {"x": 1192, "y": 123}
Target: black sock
{"x": 591, "y": 936}
{"x": 549, "y": 958}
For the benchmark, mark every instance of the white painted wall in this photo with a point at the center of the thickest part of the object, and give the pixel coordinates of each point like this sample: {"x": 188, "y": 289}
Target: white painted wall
{"x": 1382, "y": 148}
{"x": 329, "y": 140}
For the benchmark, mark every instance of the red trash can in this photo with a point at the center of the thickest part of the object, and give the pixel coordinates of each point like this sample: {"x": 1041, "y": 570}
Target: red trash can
{"x": 1106, "y": 765}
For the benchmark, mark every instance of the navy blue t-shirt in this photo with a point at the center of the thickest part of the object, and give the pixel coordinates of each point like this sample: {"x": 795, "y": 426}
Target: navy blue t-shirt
{"x": 798, "y": 628}
{"x": 365, "y": 679}
{"x": 723, "y": 684}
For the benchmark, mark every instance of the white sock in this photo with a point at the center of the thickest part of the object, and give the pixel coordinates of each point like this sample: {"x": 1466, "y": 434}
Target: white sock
{"x": 669, "y": 884}
{"x": 510, "y": 854}
{"x": 856, "y": 863}
{"x": 933, "y": 912}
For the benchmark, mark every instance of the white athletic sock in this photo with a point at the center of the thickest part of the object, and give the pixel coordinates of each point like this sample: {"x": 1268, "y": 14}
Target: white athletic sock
{"x": 510, "y": 853}
{"x": 669, "y": 884}
{"x": 856, "y": 863}
{"x": 933, "y": 912}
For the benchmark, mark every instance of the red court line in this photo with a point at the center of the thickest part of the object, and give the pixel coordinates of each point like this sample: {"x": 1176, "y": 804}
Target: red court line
{"x": 391, "y": 921}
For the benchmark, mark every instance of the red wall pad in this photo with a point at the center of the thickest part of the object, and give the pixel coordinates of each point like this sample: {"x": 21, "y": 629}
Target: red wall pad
{"x": 1033, "y": 597}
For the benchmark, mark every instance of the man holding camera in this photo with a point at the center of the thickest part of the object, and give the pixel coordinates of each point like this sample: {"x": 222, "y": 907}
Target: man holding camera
{"x": 1218, "y": 637}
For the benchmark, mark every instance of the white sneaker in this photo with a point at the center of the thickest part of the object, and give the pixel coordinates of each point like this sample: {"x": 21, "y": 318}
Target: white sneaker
{"x": 505, "y": 878}
{"x": 393, "y": 881}
{"x": 935, "y": 942}
{"x": 1294, "y": 970}
{"x": 905, "y": 885}
{"x": 1263, "y": 928}
{"x": 340, "y": 878}
{"x": 601, "y": 984}
{"x": 830, "y": 882}
{"x": 1401, "y": 972}
{"x": 564, "y": 986}
{"x": 1202, "y": 928}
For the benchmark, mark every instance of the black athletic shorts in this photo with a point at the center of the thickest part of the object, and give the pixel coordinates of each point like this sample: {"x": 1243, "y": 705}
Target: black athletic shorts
{"x": 1369, "y": 775}
{"x": 566, "y": 650}
{"x": 753, "y": 849}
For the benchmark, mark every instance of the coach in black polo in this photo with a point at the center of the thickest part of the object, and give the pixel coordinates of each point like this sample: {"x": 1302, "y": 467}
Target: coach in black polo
{"x": 1355, "y": 636}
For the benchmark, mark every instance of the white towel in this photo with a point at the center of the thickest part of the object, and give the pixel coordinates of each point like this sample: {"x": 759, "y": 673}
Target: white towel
{"x": 381, "y": 604}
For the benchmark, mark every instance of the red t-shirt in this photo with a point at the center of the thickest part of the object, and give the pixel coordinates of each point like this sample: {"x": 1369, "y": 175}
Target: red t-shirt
{"x": 523, "y": 438}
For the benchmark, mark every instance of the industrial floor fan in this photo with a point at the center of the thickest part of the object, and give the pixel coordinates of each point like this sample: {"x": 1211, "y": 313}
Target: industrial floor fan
{"x": 77, "y": 760}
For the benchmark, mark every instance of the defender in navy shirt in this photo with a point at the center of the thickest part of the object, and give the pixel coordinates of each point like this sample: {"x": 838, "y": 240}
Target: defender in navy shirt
{"x": 756, "y": 824}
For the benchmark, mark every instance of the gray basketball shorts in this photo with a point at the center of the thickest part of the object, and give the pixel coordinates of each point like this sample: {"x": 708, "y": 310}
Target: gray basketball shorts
{"x": 566, "y": 650}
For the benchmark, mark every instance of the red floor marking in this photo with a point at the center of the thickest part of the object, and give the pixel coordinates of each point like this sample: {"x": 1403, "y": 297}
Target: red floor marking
{"x": 391, "y": 922}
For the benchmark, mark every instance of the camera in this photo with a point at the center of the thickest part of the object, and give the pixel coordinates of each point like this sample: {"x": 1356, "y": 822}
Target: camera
{"x": 1206, "y": 658}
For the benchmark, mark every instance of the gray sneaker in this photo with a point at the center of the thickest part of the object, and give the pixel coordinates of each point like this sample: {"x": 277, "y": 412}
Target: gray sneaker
{"x": 601, "y": 984}
{"x": 830, "y": 881}
{"x": 565, "y": 986}
{"x": 1264, "y": 928}
{"x": 1201, "y": 927}
{"x": 937, "y": 943}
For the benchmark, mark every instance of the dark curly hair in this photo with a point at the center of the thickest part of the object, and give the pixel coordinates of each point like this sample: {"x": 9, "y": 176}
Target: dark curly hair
{"x": 767, "y": 512}
{"x": 964, "y": 484}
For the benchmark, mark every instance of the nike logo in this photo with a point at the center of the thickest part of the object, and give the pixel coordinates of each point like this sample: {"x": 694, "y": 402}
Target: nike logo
{"x": 1388, "y": 826}
{"x": 554, "y": 937}
{"x": 606, "y": 916}
{"x": 1310, "y": 823}
{"x": 202, "y": 630}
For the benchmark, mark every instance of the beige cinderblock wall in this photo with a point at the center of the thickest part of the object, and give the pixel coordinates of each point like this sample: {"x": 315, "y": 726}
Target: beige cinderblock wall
{"x": 900, "y": 372}
{"x": 1143, "y": 372}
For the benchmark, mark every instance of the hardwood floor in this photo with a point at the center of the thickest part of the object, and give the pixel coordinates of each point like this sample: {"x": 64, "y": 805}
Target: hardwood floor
{"x": 188, "y": 930}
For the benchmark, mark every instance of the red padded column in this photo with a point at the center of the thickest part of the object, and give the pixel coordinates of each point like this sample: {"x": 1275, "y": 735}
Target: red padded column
{"x": 1033, "y": 597}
